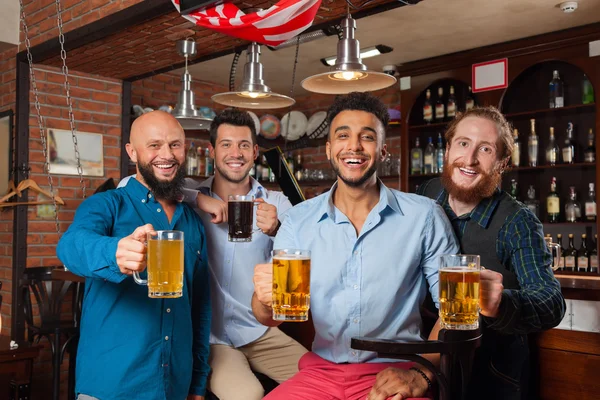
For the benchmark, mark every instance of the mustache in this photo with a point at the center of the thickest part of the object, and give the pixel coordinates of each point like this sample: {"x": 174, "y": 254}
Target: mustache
{"x": 240, "y": 159}
{"x": 459, "y": 164}
{"x": 355, "y": 153}
{"x": 169, "y": 161}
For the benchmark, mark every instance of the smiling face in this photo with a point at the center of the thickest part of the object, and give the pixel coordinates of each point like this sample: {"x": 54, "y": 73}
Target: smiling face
{"x": 355, "y": 146}
{"x": 473, "y": 169}
{"x": 157, "y": 146}
{"x": 233, "y": 152}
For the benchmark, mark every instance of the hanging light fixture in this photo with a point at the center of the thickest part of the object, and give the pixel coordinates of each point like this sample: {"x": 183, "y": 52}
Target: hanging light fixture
{"x": 185, "y": 111}
{"x": 348, "y": 74}
{"x": 253, "y": 93}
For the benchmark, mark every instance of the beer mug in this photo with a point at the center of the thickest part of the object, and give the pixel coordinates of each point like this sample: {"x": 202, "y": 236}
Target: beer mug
{"x": 240, "y": 217}
{"x": 291, "y": 285}
{"x": 164, "y": 264}
{"x": 555, "y": 250}
{"x": 459, "y": 291}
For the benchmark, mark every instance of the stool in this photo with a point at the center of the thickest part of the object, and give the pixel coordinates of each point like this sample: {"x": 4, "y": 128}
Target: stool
{"x": 49, "y": 294}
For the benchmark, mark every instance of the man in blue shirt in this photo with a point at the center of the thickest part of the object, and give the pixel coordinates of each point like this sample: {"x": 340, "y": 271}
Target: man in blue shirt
{"x": 238, "y": 341}
{"x": 374, "y": 255}
{"x": 133, "y": 346}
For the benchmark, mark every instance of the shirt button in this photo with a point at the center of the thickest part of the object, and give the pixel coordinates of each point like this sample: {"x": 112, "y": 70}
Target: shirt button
{"x": 353, "y": 353}
{"x": 143, "y": 200}
{"x": 166, "y": 338}
{"x": 355, "y": 287}
{"x": 150, "y": 195}
{"x": 198, "y": 252}
{"x": 356, "y": 320}
{"x": 158, "y": 210}
{"x": 168, "y": 310}
{"x": 356, "y": 252}
{"x": 228, "y": 261}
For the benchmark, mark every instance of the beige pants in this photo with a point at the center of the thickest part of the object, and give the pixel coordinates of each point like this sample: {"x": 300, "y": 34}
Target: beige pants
{"x": 274, "y": 354}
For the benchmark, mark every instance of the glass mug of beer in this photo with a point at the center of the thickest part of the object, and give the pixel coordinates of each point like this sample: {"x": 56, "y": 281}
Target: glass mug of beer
{"x": 459, "y": 291}
{"x": 164, "y": 264}
{"x": 291, "y": 285}
{"x": 555, "y": 250}
{"x": 240, "y": 217}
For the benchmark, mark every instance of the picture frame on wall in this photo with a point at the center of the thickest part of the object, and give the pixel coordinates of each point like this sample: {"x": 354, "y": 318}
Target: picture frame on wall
{"x": 61, "y": 153}
{"x": 6, "y": 137}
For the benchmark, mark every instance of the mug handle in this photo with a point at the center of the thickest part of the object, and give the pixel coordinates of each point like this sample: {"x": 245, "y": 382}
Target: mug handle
{"x": 138, "y": 280}
{"x": 556, "y": 260}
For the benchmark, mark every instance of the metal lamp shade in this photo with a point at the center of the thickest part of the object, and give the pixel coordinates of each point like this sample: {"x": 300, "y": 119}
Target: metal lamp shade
{"x": 253, "y": 93}
{"x": 348, "y": 74}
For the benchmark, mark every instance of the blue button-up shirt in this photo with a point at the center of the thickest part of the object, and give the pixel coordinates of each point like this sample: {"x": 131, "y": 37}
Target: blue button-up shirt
{"x": 232, "y": 268}
{"x": 133, "y": 346}
{"x": 373, "y": 283}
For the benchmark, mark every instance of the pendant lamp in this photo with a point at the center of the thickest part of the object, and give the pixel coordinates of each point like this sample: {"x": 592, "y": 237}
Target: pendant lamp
{"x": 253, "y": 93}
{"x": 348, "y": 74}
{"x": 185, "y": 111}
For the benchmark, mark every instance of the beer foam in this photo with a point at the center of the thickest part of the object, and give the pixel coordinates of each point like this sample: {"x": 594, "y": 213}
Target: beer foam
{"x": 291, "y": 257}
{"x": 458, "y": 269}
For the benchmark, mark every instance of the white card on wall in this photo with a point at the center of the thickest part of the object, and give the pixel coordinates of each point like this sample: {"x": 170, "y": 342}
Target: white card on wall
{"x": 490, "y": 75}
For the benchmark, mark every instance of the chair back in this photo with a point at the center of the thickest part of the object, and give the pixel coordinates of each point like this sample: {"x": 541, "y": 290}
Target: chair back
{"x": 49, "y": 295}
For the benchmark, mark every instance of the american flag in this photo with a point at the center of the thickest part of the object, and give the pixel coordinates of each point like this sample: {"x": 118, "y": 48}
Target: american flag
{"x": 272, "y": 26}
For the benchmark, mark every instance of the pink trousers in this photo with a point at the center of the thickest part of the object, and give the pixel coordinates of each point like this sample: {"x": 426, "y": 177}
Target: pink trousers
{"x": 320, "y": 379}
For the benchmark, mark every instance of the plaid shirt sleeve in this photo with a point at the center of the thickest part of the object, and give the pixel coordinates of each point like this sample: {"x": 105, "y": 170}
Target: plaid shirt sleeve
{"x": 538, "y": 305}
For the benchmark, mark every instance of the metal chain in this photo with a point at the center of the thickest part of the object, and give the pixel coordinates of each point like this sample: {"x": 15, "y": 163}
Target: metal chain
{"x": 285, "y": 143}
{"x": 65, "y": 70}
{"x": 39, "y": 115}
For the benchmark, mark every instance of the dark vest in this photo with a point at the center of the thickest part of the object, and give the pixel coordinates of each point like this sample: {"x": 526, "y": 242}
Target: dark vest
{"x": 482, "y": 241}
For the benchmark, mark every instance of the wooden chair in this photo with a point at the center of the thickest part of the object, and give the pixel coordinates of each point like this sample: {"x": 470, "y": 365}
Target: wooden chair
{"x": 457, "y": 349}
{"x": 49, "y": 295}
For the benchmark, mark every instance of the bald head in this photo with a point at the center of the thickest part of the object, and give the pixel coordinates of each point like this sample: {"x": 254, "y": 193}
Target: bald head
{"x": 155, "y": 122}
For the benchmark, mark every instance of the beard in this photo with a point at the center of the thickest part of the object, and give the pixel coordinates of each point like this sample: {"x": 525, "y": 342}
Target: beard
{"x": 483, "y": 189}
{"x": 355, "y": 182}
{"x": 164, "y": 190}
{"x": 233, "y": 178}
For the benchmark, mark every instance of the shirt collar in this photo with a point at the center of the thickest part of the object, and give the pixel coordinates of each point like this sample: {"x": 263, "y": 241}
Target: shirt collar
{"x": 386, "y": 200}
{"x": 482, "y": 213}
{"x": 257, "y": 190}
{"x": 139, "y": 191}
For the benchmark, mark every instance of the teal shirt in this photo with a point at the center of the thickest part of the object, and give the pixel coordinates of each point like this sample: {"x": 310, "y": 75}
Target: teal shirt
{"x": 132, "y": 346}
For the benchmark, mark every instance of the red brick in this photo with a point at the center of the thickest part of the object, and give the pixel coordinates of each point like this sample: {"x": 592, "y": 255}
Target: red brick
{"x": 106, "y": 97}
{"x": 91, "y": 84}
{"x": 112, "y": 152}
{"x": 111, "y": 141}
{"x": 91, "y": 106}
{"x": 107, "y": 119}
{"x": 110, "y": 162}
{"x": 89, "y": 127}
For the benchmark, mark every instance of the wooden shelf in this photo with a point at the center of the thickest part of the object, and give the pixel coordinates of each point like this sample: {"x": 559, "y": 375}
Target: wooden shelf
{"x": 565, "y": 224}
{"x": 566, "y": 109}
{"x": 557, "y": 166}
{"x": 428, "y": 126}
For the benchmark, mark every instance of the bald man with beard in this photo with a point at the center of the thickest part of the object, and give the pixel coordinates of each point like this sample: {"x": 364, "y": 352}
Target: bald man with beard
{"x": 519, "y": 293}
{"x": 133, "y": 346}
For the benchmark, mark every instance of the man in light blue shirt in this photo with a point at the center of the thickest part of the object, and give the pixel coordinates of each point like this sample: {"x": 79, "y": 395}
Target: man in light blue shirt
{"x": 133, "y": 346}
{"x": 374, "y": 255}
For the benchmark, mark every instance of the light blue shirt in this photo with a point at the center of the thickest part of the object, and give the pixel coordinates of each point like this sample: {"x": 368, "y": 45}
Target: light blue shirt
{"x": 372, "y": 284}
{"x": 231, "y": 268}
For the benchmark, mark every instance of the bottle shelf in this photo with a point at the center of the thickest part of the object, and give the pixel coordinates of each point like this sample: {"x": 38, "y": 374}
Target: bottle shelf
{"x": 566, "y": 274}
{"x": 556, "y": 166}
{"x": 423, "y": 176}
{"x": 567, "y": 224}
{"x": 428, "y": 126}
{"x": 566, "y": 109}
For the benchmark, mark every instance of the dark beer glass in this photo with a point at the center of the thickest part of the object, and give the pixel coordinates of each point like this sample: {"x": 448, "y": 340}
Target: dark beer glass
{"x": 240, "y": 216}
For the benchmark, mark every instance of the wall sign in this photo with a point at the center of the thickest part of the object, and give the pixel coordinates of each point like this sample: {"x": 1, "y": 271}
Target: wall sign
{"x": 490, "y": 75}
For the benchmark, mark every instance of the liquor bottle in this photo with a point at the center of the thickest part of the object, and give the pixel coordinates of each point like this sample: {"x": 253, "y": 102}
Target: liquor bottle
{"x": 557, "y": 98}
{"x": 290, "y": 162}
{"x": 266, "y": 170}
{"x": 259, "y": 168}
{"x": 451, "y": 105}
{"x": 570, "y": 255}
{"x": 440, "y": 110}
{"x": 572, "y": 207}
{"x": 429, "y": 157}
{"x": 252, "y": 172}
{"x": 191, "y": 160}
{"x": 416, "y": 159}
{"x": 532, "y": 145}
{"x": 439, "y": 154}
{"x": 514, "y": 190}
{"x": 568, "y": 150}
{"x": 208, "y": 163}
{"x": 588, "y": 91}
{"x": 427, "y": 108}
{"x": 594, "y": 256}
{"x": 589, "y": 155}
{"x": 298, "y": 167}
{"x": 583, "y": 256}
{"x": 469, "y": 102}
{"x": 553, "y": 203}
{"x": 561, "y": 261}
{"x": 552, "y": 150}
{"x": 516, "y": 153}
{"x": 532, "y": 203}
{"x": 590, "y": 204}
{"x": 201, "y": 161}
